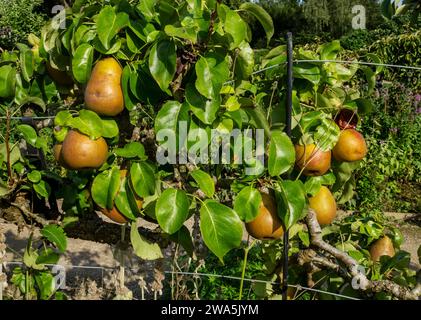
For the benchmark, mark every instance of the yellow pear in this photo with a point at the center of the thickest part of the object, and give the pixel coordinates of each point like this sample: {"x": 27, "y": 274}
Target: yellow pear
{"x": 350, "y": 147}
{"x": 78, "y": 151}
{"x": 313, "y": 160}
{"x": 267, "y": 224}
{"x": 382, "y": 247}
{"x": 103, "y": 93}
{"x": 324, "y": 204}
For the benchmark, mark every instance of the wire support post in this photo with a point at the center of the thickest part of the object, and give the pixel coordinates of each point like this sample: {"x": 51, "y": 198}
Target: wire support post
{"x": 288, "y": 128}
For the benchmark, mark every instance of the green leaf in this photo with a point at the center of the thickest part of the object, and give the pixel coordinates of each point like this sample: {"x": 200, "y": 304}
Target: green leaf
{"x": 129, "y": 99}
{"x": 168, "y": 119}
{"x": 281, "y": 154}
{"x": 125, "y": 200}
{"x": 142, "y": 247}
{"x": 4, "y": 189}
{"x": 188, "y": 32}
{"x": 307, "y": 71}
{"x": 162, "y": 63}
{"x": 15, "y": 154}
{"x": 88, "y": 123}
{"x": 343, "y": 172}
{"x": 45, "y": 284}
{"x": 291, "y": 201}
{"x": 221, "y": 228}
{"x": 172, "y": 210}
{"x": 313, "y": 184}
{"x": 245, "y": 61}
{"x": 143, "y": 178}
{"x": 365, "y": 106}
{"x": 114, "y": 46}
{"x": 109, "y": 128}
{"x": 147, "y": 9}
{"x": 247, "y": 203}
{"x": 204, "y": 109}
{"x": 34, "y": 176}
{"x": 30, "y": 257}
{"x": 327, "y": 134}
{"x": 399, "y": 261}
{"x": 105, "y": 187}
{"x": 134, "y": 83}
{"x": 109, "y": 24}
{"x": 233, "y": 25}
{"x": 304, "y": 237}
{"x": 27, "y": 64}
{"x": 82, "y": 63}
{"x": 29, "y": 134}
{"x": 258, "y": 119}
{"x": 56, "y": 235}
{"x": 132, "y": 150}
{"x": 311, "y": 120}
{"x": 212, "y": 72}
{"x": 183, "y": 238}
{"x": 134, "y": 43}
{"x": 205, "y": 182}
{"x": 397, "y": 237}
{"x": 262, "y": 16}
{"x": 48, "y": 255}
{"x": 347, "y": 192}
{"x": 42, "y": 189}
{"x": 7, "y": 81}
{"x": 232, "y": 104}
{"x": 62, "y": 118}
{"x": 329, "y": 51}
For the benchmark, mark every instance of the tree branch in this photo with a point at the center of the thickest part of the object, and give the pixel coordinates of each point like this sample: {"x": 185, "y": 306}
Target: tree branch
{"x": 352, "y": 265}
{"x": 31, "y": 215}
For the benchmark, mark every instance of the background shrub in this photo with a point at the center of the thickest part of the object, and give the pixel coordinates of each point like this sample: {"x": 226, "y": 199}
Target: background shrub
{"x": 19, "y": 18}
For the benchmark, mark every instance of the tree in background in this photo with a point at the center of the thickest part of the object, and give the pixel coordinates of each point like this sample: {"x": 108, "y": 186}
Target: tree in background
{"x": 317, "y": 15}
{"x": 309, "y": 19}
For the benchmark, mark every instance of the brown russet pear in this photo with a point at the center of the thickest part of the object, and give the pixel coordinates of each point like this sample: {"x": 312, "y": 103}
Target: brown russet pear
{"x": 350, "y": 147}
{"x": 81, "y": 152}
{"x": 114, "y": 214}
{"x": 312, "y": 159}
{"x": 103, "y": 93}
{"x": 267, "y": 224}
{"x": 324, "y": 204}
{"x": 382, "y": 247}
{"x": 346, "y": 119}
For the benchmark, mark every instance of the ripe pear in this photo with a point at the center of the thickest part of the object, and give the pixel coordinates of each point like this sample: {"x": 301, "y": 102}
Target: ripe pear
{"x": 81, "y": 152}
{"x": 103, "y": 93}
{"x": 314, "y": 161}
{"x": 114, "y": 214}
{"x": 267, "y": 224}
{"x": 324, "y": 204}
{"x": 350, "y": 147}
{"x": 382, "y": 247}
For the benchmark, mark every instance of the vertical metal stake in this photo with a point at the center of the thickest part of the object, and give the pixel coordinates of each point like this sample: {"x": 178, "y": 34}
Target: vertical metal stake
{"x": 288, "y": 118}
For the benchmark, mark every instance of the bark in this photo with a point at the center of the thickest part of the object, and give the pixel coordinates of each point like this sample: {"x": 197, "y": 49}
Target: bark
{"x": 347, "y": 266}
